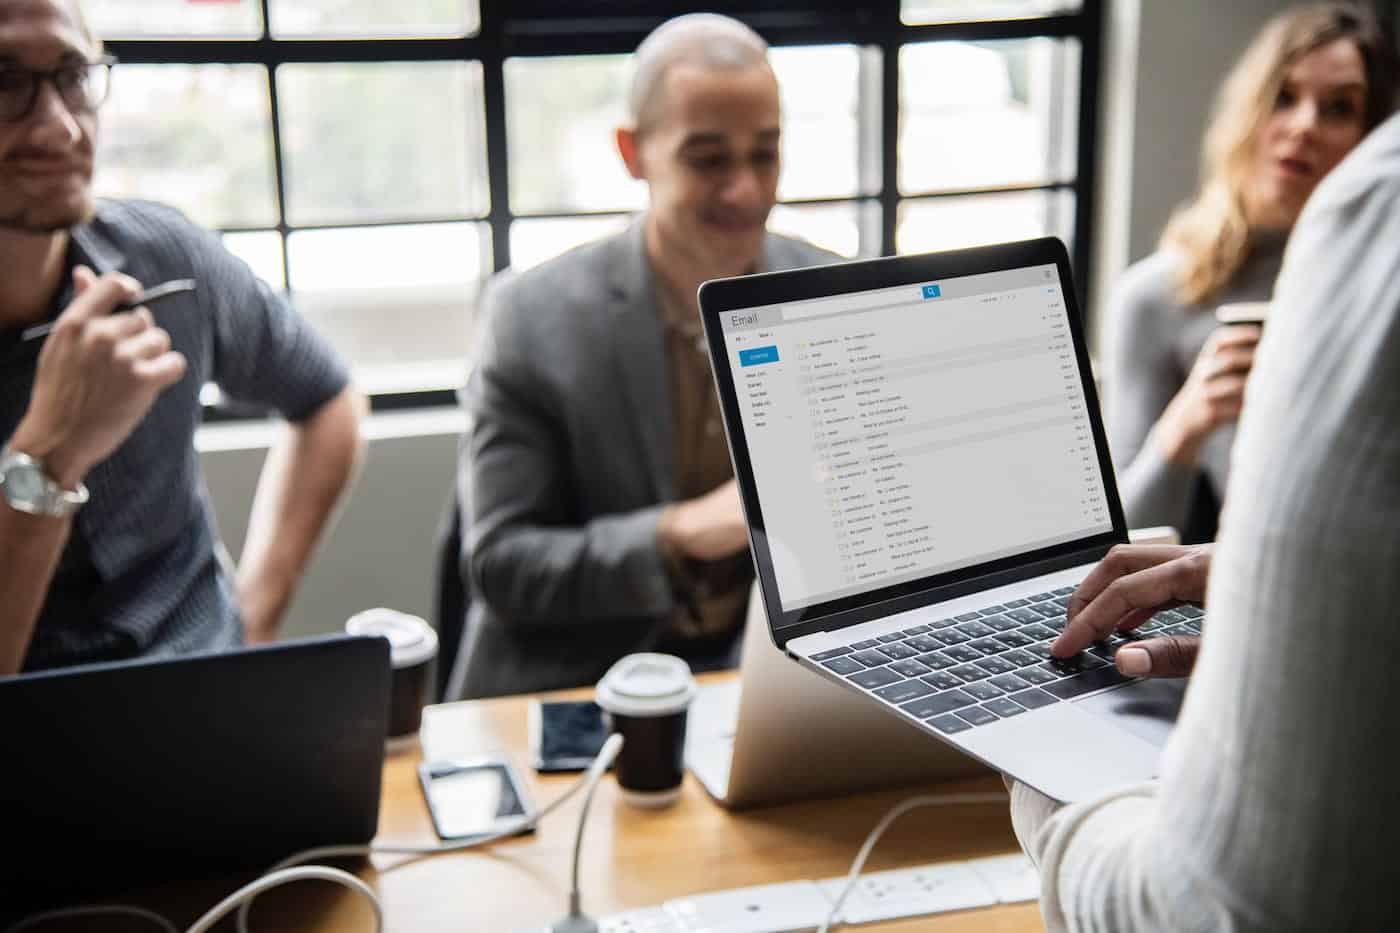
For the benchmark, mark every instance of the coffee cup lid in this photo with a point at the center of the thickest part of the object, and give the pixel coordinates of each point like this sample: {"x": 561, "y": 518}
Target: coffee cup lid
{"x": 411, "y": 640}
{"x": 646, "y": 684}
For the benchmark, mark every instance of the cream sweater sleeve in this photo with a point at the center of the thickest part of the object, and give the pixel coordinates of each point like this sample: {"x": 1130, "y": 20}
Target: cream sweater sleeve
{"x": 1277, "y": 808}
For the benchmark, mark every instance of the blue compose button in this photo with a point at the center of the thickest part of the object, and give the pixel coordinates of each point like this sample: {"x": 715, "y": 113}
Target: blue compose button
{"x": 758, "y": 356}
{"x": 932, "y": 291}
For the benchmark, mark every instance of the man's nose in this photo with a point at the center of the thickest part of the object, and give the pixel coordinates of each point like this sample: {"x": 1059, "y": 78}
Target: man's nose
{"x": 51, "y": 119}
{"x": 745, "y": 188}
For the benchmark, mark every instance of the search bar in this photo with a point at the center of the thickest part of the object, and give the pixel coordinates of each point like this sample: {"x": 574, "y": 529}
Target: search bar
{"x": 838, "y": 304}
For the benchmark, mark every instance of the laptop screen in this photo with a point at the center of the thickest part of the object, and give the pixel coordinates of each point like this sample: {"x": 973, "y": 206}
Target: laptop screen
{"x": 905, "y": 432}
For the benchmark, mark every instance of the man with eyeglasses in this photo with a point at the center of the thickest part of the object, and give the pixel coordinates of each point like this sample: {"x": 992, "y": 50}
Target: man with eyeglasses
{"x": 107, "y": 540}
{"x": 599, "y": 502}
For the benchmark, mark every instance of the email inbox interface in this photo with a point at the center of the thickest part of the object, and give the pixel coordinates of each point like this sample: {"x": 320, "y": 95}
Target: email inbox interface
{"x": 915, "y": 430}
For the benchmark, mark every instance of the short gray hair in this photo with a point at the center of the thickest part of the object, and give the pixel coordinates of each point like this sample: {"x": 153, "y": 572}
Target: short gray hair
{"x": 705, "y": 39}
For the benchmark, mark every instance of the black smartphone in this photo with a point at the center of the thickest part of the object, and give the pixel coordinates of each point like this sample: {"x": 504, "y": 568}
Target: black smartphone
{"x": 471, "y": 798}
{"x": 565, "y": 736}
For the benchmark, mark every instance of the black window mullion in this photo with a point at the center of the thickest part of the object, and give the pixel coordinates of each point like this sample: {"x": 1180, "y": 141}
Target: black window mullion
{"x": 1090, "y": 61}
{"x": 493, "y": 86}
{"x": 889, "y": 159}
{"x": 279, "y": 166}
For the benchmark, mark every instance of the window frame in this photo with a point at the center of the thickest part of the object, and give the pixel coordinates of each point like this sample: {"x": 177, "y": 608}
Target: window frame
{"x": 875, "y": 25}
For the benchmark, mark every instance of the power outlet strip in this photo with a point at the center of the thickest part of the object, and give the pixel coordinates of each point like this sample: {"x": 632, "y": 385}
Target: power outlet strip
{"x": 910, "y": 892}
{"x": 804, "y": 905}
{"x": 646, "y": 920}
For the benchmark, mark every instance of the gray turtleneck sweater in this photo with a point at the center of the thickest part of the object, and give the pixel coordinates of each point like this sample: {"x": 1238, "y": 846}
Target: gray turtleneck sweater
{"x": 1154, "y": 342}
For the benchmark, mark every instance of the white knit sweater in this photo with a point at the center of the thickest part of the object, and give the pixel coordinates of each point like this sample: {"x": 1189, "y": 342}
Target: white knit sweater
{"x": 1278, "y": 807}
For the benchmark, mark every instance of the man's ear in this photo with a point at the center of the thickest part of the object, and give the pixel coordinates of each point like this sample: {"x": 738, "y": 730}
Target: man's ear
{"x": 629, "y": 146}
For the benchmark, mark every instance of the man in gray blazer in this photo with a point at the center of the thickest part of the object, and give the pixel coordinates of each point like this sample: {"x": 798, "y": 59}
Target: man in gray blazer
{"x": 599, "y": 508}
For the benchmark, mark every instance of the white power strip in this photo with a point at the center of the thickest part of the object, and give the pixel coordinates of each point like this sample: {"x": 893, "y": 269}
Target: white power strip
{"x": 803, "y": 905}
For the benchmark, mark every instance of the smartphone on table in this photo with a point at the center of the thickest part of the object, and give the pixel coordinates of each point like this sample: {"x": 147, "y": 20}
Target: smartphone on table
{"x": 565, "y": 736}
{"x": 474, "y": 797}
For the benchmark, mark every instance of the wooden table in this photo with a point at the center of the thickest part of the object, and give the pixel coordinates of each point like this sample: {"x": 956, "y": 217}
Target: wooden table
{"x": 633, "y": 858}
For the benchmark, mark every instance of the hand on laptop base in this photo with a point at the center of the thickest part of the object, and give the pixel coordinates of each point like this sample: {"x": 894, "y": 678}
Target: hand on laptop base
{"x": 1130, "y": 584}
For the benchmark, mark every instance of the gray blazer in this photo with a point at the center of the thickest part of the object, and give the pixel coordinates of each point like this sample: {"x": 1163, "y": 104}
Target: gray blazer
{"x": 566, "y": 466}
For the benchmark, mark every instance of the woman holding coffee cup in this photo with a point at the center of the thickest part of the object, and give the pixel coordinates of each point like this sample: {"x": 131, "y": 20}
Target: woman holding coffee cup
{"x": 1310, "y": 86}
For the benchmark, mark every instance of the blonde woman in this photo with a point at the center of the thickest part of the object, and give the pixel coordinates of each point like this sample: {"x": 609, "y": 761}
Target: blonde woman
{"x": 1313, "y": 83}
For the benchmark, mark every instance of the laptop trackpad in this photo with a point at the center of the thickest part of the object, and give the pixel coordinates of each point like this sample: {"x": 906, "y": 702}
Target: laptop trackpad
{"x": 1147, "y": 708}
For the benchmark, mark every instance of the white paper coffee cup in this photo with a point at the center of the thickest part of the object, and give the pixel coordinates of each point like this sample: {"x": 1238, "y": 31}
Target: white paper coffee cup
{"x": 645, "y": 698}
{"x": 413, "y": 646}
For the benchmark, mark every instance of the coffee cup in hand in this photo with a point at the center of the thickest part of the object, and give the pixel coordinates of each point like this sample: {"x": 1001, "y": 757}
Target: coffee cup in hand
{"x": 412, "y": 647}
{"x": 645, "y": 697}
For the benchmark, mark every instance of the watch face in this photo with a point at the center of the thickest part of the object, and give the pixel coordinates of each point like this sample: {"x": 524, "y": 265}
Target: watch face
{"x": 24, "y": 483}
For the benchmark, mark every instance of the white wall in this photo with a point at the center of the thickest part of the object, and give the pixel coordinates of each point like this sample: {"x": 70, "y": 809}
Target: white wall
{"x": 380, "y": 552}
{"x": 1165, "y": 60}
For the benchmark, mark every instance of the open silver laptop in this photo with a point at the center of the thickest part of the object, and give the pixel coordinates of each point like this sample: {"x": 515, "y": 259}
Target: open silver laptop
{"x": 743, "y": 748}
{"x": 925, "y": 476}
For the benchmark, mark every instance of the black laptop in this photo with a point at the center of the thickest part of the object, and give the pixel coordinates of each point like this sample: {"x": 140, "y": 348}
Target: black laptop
{"x": 133, "y": 773}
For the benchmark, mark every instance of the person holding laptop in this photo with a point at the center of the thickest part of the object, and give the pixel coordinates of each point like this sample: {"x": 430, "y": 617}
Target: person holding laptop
{"x": 1275, "y": 809}
{"x": 1309, "y": 87}
{"x": 598, "y": 501}
{"x": 107, "y": 542}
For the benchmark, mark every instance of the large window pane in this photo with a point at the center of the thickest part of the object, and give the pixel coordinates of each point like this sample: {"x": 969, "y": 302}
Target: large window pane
{"x": 262, "y": 251}
{"x": 396, "y": 301}
{"x": 920, "y": 12}
{"x": 532, "y": 241}
{"x": 561, "y": 114}
{"x": 384, "y": 141}
{"x": 560, "y": 118}
{"x": 987, "y": 114}
{"x": 976, "y": 220}
{"x": 198, "y": 137}
{"x": 820, "y": 89}
{"x": 354, "y": 18}
{"x": 174, "y": 19}
{"x": 836, "y": 227}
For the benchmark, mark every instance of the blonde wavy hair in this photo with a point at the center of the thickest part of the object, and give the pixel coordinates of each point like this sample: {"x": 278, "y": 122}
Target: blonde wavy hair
{"x": 1212, "y": 230}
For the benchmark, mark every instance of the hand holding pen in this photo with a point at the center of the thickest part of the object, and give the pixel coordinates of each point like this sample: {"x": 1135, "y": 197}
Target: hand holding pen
{"x": 148, "y": 297}
{"x": 98, "y": 374}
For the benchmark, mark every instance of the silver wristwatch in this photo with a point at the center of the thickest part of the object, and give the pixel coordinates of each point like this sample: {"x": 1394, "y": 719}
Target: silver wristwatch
{"x": 29, "y": 489}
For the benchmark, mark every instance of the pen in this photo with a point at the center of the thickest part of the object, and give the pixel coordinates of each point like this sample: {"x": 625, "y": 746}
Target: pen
{"x": 150, "y": 295}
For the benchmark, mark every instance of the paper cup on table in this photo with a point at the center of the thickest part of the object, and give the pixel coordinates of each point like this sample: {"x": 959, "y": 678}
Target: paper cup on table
{"x": 413, "y": 646}
{"x": 645, "y": 698}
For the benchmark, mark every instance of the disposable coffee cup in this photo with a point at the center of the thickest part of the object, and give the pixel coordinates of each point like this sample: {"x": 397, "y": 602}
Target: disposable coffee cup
{"x": 413, "y": 646}
{"x": 1243, "y": 312}
{"x": 645, "y": 697}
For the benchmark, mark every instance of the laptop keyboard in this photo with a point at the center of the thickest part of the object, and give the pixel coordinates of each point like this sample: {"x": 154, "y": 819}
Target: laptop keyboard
{"x": 975, "y": 668}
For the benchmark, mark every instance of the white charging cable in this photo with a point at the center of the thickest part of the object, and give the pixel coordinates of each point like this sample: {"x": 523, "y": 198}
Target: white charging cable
{"x": 292, "y": 869}
{"x": 275, "y": 879}
{"x": 913, "y": 803}
{"x": 596, "y": 769}
{"x": 97, "y": 910}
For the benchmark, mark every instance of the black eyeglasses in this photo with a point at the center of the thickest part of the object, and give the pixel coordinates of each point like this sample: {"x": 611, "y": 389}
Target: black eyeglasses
{"x": 83, "y": 87}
